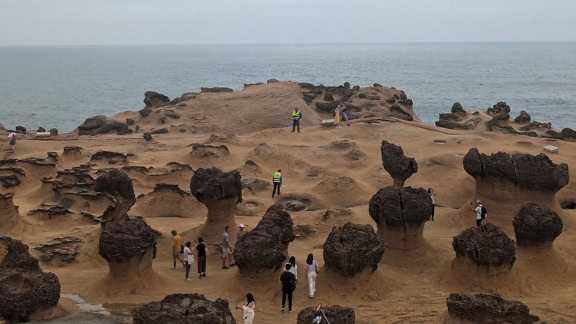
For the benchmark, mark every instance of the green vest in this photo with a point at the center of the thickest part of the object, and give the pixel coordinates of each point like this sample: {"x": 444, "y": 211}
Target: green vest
{"x": 296, "y": 114}
{"x": 277, "y": 176}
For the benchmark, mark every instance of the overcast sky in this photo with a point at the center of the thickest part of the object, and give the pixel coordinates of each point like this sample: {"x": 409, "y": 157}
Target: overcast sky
{"x": 76, "y": 22}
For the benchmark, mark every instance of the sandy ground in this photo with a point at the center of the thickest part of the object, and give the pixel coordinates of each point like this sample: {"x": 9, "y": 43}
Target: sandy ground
{"x": 326, "y": 168}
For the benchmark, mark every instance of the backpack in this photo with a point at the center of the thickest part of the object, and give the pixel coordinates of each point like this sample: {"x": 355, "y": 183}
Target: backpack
{"x": 293, "y": 282}
{"x": 483, "y": 212}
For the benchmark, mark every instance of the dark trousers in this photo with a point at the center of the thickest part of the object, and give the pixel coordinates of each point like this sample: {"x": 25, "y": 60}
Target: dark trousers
{"x": 201, "y": 264}
{"x": 287, "y": 291}
{"x": 433, "y": 207}
{"x": 188, "y": 265}
{"x": 296, "y": 125}
{"x": 478, "y": 222}
{"x": 276, "y": 188}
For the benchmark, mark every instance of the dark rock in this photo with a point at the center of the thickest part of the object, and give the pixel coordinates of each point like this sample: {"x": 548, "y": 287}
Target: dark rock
{"x": 170, "y": 188}
{"x": 486, "y": 245}
{"x": 10, "y": 181}
{"x": 171, "y": 114}
{"x": 93, "y": 122}
{"x": 391, "y": 100}
{"x": 107, "y": 155}
{"x": 487, "y": 308}
{"x": 524, "y": 117}
{"x": 247, "y": 85}
{"x": 160, "y": 131}
{"x": 335, "y": 314}
{"x": 347, "y": 84}
{"x": 162, "y": 120}
{"x": 568, "y": 133}
{"x": 145, "y": 112}
{"x": 396, "y": 164}
{"x": 536, "y": 125}
{"x": 215, "y": 90}
{"x": 326, "y": 106}
{"x": 568, "y": 204}
{"x": 147, "y": 137}
{"x": 499, "y": 108}
{"x": 53, "y": 131}
{"x": 62, "y": 250}
{"x": 453, "y": 125}
{"x": 184, "y": 309}
{"x": 350, "y": 249}
{"x": 272, "y": 81}
{"x": 213, "y": 184}
{"x": 256, "y": 185}
{"x": 264, "y": 248}
{"x": 121, "y": 242}
{"x": 536, "y": 225}
{"x": 400, "y": 208}
{"x": 41, "y": 130}
{"x": 396, "y": 108}
{"x": 457, "y": 109}
{"x": 497, "y": 120}
{"x": 406, "y": 102}
{"x": 129, "y": 121}
{"x": 377, "y": 85}
{"x": 101, "y": 125}
{"x": 119, "y": 185}
{"x": 21, "y": 129}
{"x": 72, "y": 149}
{"x": 202, "y": 151}
{"x": 53, "y": 156}
{"x": 153, "y": 99}
{"x": 336, "y": 213}
{"x": 328, "y": 97}
{"x": 24, "y": 287}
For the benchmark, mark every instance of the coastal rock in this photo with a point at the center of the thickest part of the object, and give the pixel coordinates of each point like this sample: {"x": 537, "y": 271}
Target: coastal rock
{"x": 457, "y": 109}
{"x": 119, "y": 185}
{"x": 264, "y": 249}
{"x": 335, "y": 314}
{"x": 61, "y": 250}
{"x": 10, "y": 181}
{"x": 101, "y": 125}
{"x": 171, "y": 114}
{"x": 487, "y": 308}
{"x": 568, "y": 133}
{"x": 326, "y": 106}
{"x": 153, "y": 99}
{"x": 524, "y": 117}
{"x": 145, "y": 112}
{"x": 184, "y": 309}
{"x": 160, "y": 131}
{"x": 215, "y": 90}
{"x": 536, "y": 225}
{"x": 41, "y": 130}
{"x": 202, "y": 151}
{"x": 350, "y": 249}
{"x": 24, "y": 287}
{"x": 396, "y": 164}
{"x": 395, "y": 108}
{"x": 53, "y": 131}
{"x": 454, "y": 125}
{"x": 147, "y": 136}
{"x": 21, "y": 129}
{"x": 499, "y": 108}
{"x": 536, "y": 125}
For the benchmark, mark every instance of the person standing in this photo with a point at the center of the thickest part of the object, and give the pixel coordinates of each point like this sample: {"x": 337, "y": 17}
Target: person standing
{"x": 293, "y": 266}
{"x": 12, "y": 140}
{"x": 188, "y": 259}
{"x": 248, "y": 309}
{"x": 296, "y": 117}
{"x": 432, "y": 195}
{"x": 240, "y": 233}
{"x": 176, "y": 248}
{"x": 277, "y": 180}
{"x": 312, "y": 270}
{"x": 202, "y": 251}
{"x": 288, "y": 280}
{"x": 226, "y": 250}
{"x": 481, "y": 212}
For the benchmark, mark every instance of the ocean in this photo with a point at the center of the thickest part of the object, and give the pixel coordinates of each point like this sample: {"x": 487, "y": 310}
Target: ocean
{"x": 61, "y": 86}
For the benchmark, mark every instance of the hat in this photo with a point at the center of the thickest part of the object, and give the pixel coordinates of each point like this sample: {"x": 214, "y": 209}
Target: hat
{"x": 241, "y": 226}
{"x": 479, "y": 202}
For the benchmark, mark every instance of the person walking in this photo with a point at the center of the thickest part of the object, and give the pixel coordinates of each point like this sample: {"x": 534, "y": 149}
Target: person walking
{"x": 248, "y": 309}
{"x": 288, "y": 280}
{"x": 177, "y": 248}
{"x": 296, "y": 117}
{"x": 188, "y": 259}
{"x": 226, "y": 250}
{"x": 12, "y": 140}
{"x": 432, "y": 195}
{"x": 277, "y": 181}
{"x": 312, "y": 270}
{"x": 240, "y": 233}
{"x": 293, "y": 266}
{"x": 202, "y": 252}
{"x": 481, "y": 212}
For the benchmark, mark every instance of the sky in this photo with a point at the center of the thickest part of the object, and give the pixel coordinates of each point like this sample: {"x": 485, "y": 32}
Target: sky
{"x": 128, "y": 22}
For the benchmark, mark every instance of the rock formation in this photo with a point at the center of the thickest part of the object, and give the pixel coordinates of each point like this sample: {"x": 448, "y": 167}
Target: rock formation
{"x": 335, "y": 314}
{"x": 101, "y": 125}
{"x": 119, "y": 186}
{"x": 524, "y": 117}
{"x": 486, "y": 247}
{"x": 184, "y": 309}
{"x": 24, "y": 287}
{"x": 399, "y": 166}
{"x": 401, "y": 215}
{"x": 350, "y": 249}
{"x": 487, "y": 308}
{"x": 153, "y": 99}
{"x": 220, "y": 192}
{"x": 264, "y": 249}
{"x": 9, "y": 216}
{"x": 536, "y": 225}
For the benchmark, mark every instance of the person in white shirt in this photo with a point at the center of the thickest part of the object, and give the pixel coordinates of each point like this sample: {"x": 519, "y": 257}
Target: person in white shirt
{"x": 12, "y": 140}
{"x": 481, "y": 213}
{"x": 311, "y": 272}
{"x": 293, "y": 266}
{"x": 188, "y": 258}
{"x": 432, "y": 195}
{"x": 248, "y": 309}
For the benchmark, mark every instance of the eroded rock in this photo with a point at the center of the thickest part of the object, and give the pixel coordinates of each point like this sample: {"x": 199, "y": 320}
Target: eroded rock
{"x": 536, "y": 225}
{"x": 153, "y": 99}
{"x": 396, "y": 164}
{"x": 487, "y": 308}
{"x": 524, "y": 117}
{"x": 335, "y": 314}
{"x": 119, "y": 186}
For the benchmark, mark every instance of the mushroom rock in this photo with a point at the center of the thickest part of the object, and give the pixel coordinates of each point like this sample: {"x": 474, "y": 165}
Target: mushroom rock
{"x": 24, "y": 287}
{"x": 350, "y": 249}
{"x": 524, "y": 117}
{"x": 153, "y": 99}
{"x": 335, "y": 314}
{"x": 220, "y": 192}
{"x": 487, "y": 308}
{"x": 263, "y": 250}
{"x": 183, "y": 309}
{"x": 487, "y": 247}
{"x": 536, "y": 225}
{"x": 401, "y": 215}
{"x": 119, "y": 186}
{"x": 506, "y": 181}
{"x": 399, "y": 166}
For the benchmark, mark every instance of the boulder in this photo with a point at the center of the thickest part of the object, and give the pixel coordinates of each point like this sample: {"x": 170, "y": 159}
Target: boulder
{"x": 568, "y": 133}
{"x": 396, "y": 164}
{"x": 147, "y": 137}
{"x": 536, "y": 125}
{"x": 334, "y": 314}
{"x": 101, "y": 125}
{"x": 53, "y": 131}
{"x": 487, "y": 308}
{"x": 326, "y": 106}
{"x": 160, "y": 131}
{"x": 215, "y": 90}
{"x": 171, "y": 114}
{"x": 41, "y": 130}
{"x": 93, "y": 122}
{"x": 457, "y": 109}
{"x": 350, "y": 249}
{"x": 536, "y": 225}
{"x": 395, "y": 108}
{"x": 201, "y": 151}
{"x": 499, "y": 108}
{"x": 121, "y": 242}
{"x": 24, "y": 287}
{"x": 264, "y": 249}
{"x": 487, "y": 246}
{"x": 119, "y": 185}
{"x": 524, "y": 117}
{"x": 21, "y": 129}
{"x": 184, "y": 309}
{"x": 153, "y": 99}
{"x": 272, "y": 81}
{"x": 328, "y": 97}
{"x": 145, "y": 112}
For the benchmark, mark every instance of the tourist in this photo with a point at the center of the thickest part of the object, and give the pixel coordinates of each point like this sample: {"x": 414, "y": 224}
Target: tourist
{"x": 248, "y": 309}
{"x": 312, "y": 270}
{"x": 226, "y": 250}
{"x": 177, "y": 248}
{"x": 432, "y": 195}
{"x": 296, "y": 117}
{"x": 288, "y": 280}
{"x": 202, "y": 252}
{"x": 188, "y": 259}
{"x": 481, "y": 212}
{"x": 241, "y": 232}
{"x": 293, "y": 266}
{"x": 12, "y": 140}
{"x": 277, "y": 181}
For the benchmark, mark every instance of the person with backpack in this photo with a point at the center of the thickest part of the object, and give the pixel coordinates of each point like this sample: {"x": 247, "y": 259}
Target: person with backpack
{"x": 12, "y": 140}
{"x": 481, "y": 212}
{"x": 288, "y": 280}
{"x": 202, "y": 252}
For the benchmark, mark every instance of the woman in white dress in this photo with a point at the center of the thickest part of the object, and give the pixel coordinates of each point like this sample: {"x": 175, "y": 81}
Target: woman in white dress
{"x": 293, "y": 266}
{"x": 248, "y": 309}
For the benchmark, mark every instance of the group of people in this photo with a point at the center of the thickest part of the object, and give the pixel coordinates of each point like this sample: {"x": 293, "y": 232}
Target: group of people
{"x": 289, "y": 279}
{"x": 188, "y": 251}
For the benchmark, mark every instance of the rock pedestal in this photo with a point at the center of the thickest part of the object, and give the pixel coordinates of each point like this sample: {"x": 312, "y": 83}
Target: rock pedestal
{"x": 487, "y": 308}
{"x": 536, "y": 226}
{"x": 119, "y": 185}
{"x": 399, "y": 166}
{"x": 335, "y": 314}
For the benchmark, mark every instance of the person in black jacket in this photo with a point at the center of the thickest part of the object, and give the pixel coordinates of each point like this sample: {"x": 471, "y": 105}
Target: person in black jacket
{"x": 288, "y": 280}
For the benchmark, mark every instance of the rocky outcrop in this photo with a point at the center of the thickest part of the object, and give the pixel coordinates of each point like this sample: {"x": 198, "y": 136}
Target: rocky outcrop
{"x": 396, "y": 164}
{"x": 487, "y": 247}
{"x": 498, "y": 108}
{"x": 121, "y": 242}
{"x": 101, "y": 125}
{"x": 10, "y": 181}
{"x": 350, "y": 249}
{"x": 202, "y": 151}
{"x": 524, "y": 117}
{"x": 487, "y": 308}
{"x": 334, "y": 314}
{"x": 24, "y": 287}
{"x": 153, "y": 99}
{"x": 264, "y": 249}
{"x": 184, "y": 309}
{"x": 215, "y": 90}
{"x": 400, "y": 215}
{"x": 60, "y": 250}
{"x": 119, "y": 186}
{"x": 9, "y": 216}
{"x": 457, "y": 109}
{"x": 536, "y": 225}
{"x": 110, "y": 157}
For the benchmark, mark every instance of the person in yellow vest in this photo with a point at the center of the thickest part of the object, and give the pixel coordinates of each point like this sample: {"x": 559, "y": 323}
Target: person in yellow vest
{"x": 296, "y": 116}
{"x": 277, "y": 180}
